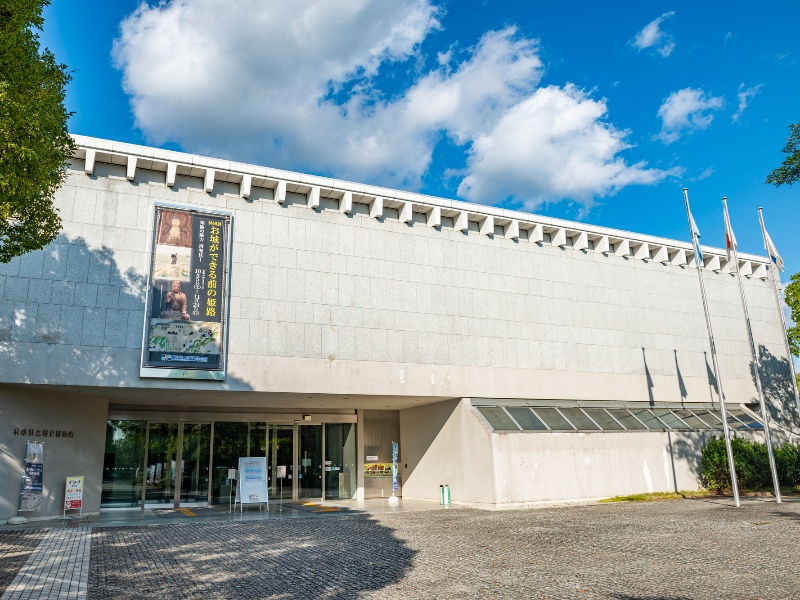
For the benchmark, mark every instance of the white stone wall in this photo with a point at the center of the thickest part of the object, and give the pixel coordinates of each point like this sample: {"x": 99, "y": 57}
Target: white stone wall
{"x": 328, "y": 302}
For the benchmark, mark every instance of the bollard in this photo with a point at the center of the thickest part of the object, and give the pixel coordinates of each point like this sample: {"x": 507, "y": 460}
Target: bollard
{"x": 441, "y": 494}
{"x": 446, "y": 495}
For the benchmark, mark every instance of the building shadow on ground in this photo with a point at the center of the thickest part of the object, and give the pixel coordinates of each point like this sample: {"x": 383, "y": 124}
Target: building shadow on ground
{"x": 330, "y": 557}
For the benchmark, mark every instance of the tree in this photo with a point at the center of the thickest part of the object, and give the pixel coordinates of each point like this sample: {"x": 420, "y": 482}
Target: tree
{"x": 35, "y": 144}
{"x": 792, "y": 295}
{"x": 789, "y": 172}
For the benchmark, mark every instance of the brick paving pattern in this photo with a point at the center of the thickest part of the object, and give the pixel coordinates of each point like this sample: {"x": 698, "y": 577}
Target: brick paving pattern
{"x": 57, "y": 568}
{"x": 15, "y": 548}
{"x": 667, "y": 550}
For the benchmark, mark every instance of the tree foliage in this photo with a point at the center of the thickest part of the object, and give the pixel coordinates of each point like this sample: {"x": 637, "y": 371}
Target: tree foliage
{"x": 35, "y": 144}
{"x": 789, "y": 172}
{"x": 793, "y": 302}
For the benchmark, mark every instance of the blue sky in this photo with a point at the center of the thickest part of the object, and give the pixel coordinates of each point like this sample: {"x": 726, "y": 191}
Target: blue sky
{"x": 600, "y": 112}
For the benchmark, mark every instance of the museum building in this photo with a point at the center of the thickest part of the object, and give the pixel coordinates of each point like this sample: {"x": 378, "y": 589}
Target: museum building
{"x": 195, "y": 311}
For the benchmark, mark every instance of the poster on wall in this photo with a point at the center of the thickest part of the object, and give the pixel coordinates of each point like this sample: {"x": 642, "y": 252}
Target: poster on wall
{"x": 187, "y": 294}
{"x": 31, "y": 499}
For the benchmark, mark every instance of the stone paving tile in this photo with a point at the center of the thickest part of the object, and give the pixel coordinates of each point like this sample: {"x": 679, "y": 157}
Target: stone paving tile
{"x": 15, "y": 548}
{"x": 667, "y": 550}
{"x": 57, "y": 568}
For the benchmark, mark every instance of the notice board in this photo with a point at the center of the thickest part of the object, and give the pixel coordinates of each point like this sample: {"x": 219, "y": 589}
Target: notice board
{"x": 251, "y": 486}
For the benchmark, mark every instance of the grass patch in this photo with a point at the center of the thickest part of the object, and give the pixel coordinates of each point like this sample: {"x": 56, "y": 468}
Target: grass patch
{"x": 656, "y": 496}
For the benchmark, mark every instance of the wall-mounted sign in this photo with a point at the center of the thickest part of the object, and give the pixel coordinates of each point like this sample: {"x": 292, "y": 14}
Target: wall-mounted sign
{"x": 53, "y": 433}
{"x": 378, "y": 470}
{"x": 187, "y": 294}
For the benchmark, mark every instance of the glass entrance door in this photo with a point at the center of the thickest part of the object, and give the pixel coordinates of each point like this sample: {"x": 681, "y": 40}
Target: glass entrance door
{"x": 340, "y": 461}
{"x": 162, "y": 456}
{"x": 280, "y": 465}
{"x": 177, "y": 469}
{"x": 309, "y": 459}
{"x": 195, "y": 448}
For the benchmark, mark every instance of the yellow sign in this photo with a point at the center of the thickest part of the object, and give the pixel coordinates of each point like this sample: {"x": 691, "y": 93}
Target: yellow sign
{"x": 378, "y": 470}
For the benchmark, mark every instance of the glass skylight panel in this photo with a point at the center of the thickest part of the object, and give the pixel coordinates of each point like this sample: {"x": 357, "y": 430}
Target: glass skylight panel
{"x": 498, "y": 418}
{"x": 749, "y": 422}
{"x": 526, "y": 419}
{"x": 712, "y": 417}
{"x": 691, "y": 419}
{"x": 648, "y": 418}
{"x": 630, "y": 422}
{"x": 554, "y": 419}
{"x": 602, "y": 418}
{"x": 669, "y": 419}
{"x": 578, "y": 418}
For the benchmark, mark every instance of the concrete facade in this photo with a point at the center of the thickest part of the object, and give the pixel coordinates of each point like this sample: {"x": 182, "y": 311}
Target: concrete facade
{"x": 348, "y": 297}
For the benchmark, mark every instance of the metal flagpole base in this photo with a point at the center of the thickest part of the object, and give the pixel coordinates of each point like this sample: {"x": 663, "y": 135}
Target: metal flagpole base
{"x": 17, "y": 521}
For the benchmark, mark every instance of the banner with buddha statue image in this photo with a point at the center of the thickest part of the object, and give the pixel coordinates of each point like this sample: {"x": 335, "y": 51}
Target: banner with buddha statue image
{"x": 187, "y": 295}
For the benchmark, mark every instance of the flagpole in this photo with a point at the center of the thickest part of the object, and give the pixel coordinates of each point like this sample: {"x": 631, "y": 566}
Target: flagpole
{"x": 779, "y": 300}
{"x": 725, "y": 428}
{"x": 756, "y": 363}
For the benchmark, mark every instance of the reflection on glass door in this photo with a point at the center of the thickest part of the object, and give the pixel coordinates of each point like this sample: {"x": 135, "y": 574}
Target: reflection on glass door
{"x": 161, "y": 460}
{"x": 123, "y": 464}
{"x": 233, "y": 441}
{"x": 194, "y": 462}
{"x": 279, "y": 461}
{"x": 309, "y": 457}
{"x": 340, "y": 461}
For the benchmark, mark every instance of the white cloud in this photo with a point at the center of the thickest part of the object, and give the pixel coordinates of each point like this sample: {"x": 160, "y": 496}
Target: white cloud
{"x": 745, "y": 95}
{"x": 257, "y": 82}
{"x": 552, "y": 145}
{"x": 686, "y": 111}
{"x": 651, "y": 36}
{"x": 705, "y": 174}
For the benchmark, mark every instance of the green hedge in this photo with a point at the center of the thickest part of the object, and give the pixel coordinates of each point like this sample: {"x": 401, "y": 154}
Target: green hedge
{"x": 751, "y": 462}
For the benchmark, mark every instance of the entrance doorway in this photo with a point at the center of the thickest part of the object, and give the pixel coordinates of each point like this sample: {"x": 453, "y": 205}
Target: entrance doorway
{"x": 177, "y": 464}
{"x": 185, "y": 464}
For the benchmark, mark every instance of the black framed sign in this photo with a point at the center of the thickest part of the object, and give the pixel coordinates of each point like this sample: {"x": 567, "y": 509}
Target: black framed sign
{"x": 187, "y": 294}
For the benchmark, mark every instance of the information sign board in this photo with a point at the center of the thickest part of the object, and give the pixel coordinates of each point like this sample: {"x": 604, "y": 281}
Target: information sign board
{"x": 251, "y": 485}
{"x": 73, "y": 494}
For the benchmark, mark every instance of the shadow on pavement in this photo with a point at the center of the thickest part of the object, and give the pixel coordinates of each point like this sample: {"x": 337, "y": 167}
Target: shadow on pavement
{"x": 297, "y": 558}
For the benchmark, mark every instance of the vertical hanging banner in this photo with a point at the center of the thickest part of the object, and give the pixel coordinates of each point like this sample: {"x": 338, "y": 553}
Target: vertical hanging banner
{"x": 31, "y": 499}
{"x": 187, "y": 295}
{"x": 395, "y": 454}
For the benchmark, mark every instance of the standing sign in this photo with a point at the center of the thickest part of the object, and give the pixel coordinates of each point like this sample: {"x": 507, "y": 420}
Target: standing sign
{"x": 187, "y": 294}
{"x": 251, "y": 486}
{"x": 31, "y": 497}
{"x": 73, "y": 494}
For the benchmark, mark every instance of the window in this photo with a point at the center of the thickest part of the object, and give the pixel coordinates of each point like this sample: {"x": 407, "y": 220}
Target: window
{"x": 612, "y": 419}
{"x": 554, "y": 419}
{"x": 578, "y": 418}
{"x": 526, "y": 419}
{"x": 628, "y": 421}
{"x": 498, "y": 418}
{"x": 603, "y": 419}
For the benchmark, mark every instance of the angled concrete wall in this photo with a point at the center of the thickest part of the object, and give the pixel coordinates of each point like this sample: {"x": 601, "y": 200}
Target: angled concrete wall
{"x": 450, "y": 443}
{"x": 37, "y": 411}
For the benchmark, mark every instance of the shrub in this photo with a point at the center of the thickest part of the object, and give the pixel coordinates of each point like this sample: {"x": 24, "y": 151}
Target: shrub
{"x": 751, "y": 462}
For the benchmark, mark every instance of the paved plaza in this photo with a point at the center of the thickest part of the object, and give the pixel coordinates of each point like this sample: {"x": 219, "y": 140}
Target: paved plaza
{"x": 660, "y": 550}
